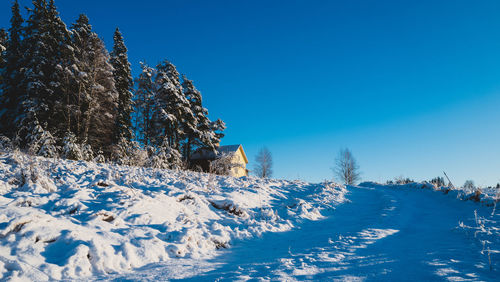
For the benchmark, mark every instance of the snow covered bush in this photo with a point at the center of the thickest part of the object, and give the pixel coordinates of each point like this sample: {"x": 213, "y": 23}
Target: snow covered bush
{"x": 469, "y": 186}
{"x": 99, "y": 157}
{"x": 129, "y": 153}
{"x": 42, "y": 143}
{"x": 73, "y": 150}
{"x": 223, "y": 164}
{"x": 5, "y": 143}
{"x": 164, "y": 157}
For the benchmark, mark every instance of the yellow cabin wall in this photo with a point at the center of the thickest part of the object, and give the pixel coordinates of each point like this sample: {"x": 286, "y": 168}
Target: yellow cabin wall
{"x": 239, "y": 158}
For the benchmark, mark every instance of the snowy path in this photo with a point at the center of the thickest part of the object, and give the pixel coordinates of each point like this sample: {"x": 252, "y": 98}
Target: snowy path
{"x": 381, "y": 234}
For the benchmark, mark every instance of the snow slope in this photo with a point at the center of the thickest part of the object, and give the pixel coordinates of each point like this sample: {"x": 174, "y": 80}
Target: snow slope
{"x": 73, "y": 220}
{"x": 77, "y": 220}
{"x": 384, "y": 233}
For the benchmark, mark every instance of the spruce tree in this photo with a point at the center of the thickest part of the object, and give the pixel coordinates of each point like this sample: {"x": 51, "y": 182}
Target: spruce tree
{"x": 172, "y": 113}
{"x": 218, "y": 128}
{"x": 62, "y": 79}
{"x": 83, "y": 39}
{"x": 144, "y": 104}
{"x": 202, "y": 134}
{"x": 46, "y": 76}
{"x": 4, "y": 38}
{"x": 123, "y": 82}
{"x": 11, "y": 75}
{"x": 33, "y": 85}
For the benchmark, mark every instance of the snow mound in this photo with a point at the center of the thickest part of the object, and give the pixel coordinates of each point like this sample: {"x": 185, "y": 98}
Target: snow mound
{"x": 485, "y": 196}
{"x": 67, "y": 219}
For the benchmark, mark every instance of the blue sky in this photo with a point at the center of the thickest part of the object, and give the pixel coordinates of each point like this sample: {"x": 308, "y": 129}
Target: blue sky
{"x": 412, "y": 87}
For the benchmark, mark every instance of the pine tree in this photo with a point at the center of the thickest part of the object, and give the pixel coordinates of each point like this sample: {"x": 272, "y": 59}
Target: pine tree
{"x": 162, "y": 119}
{"x": 11, "y": 75}
{"x": 218, "y": 128}
{"x": 170, "y": 105}
{"x": 61, "y": 91}
{"x": 171, "y": 111}
{"x": 123, "y": 83}
{"x": 4, "y": 38}
{"x": 63, "y": 78}
{"x": 203, "y": 133}
{"x": 144, "y": 104}
{"x": 82, "y": 39}
{"x": 45, "y": 74}
{"x": 33, "y": 85}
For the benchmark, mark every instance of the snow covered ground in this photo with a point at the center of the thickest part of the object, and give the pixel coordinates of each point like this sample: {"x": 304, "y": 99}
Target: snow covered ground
{"x": 382, "y": 234}
{"x": 75, "y": 220}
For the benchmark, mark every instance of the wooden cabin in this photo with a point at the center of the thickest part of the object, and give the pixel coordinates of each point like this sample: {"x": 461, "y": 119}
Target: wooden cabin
{"x": 202, "y": 158}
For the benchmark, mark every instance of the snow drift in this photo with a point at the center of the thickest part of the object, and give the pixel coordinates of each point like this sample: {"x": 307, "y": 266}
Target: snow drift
{"x": 484, "y": 196}
{"x": 72, "y": 219}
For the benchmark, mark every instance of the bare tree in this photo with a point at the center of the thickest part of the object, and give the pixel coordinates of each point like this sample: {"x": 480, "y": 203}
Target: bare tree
{"x": 346, "y": 168}
{"x": 264, "y": 163}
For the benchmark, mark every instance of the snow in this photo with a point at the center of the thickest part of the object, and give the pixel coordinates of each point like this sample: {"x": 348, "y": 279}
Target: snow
{"x": 86, "y": 221}
{"x": 383, "y": 233}
{"x": 65, "y": 219}
{"x": 486, "y": 196}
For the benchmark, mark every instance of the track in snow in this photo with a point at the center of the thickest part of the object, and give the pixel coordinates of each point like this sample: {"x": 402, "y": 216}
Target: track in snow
{"x": 382, "y": 234}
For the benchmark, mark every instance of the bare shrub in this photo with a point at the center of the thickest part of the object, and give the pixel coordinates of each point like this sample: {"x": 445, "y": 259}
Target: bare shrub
{"x": 438, "y": 181}
{"x": 346, "y": 167}
{"x": 403, "y": 180}
{"x": 230, "y": 208}
{"x": 264, "y": 163}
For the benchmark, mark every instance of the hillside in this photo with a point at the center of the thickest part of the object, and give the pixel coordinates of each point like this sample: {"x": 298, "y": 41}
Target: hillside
{"x": 65, "y": 220}
{"x": 383, "y": 233}
{"x": 79, "y": 220}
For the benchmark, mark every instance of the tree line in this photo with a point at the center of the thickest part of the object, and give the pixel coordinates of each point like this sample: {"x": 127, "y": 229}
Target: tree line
{"x": 63, "y": 94}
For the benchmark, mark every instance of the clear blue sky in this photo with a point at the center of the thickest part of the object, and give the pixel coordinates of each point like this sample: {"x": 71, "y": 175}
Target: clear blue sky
{"x": 412, "y": 87}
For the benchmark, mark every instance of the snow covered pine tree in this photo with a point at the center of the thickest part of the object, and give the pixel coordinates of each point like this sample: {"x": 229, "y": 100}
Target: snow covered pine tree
{"x": 123, "y": 84}
{"x": 11, "y": 75}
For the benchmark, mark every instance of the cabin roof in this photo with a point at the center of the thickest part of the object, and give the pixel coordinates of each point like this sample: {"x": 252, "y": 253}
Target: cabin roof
{"x": 227, "y": 149}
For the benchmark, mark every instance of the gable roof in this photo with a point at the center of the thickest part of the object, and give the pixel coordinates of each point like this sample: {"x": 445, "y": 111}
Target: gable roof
{"x": 227, "y": 149}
